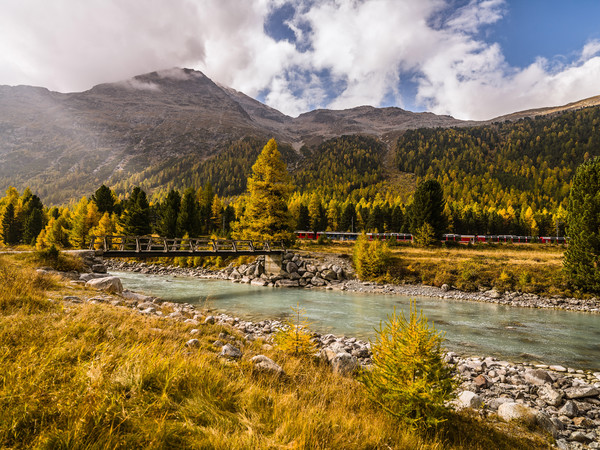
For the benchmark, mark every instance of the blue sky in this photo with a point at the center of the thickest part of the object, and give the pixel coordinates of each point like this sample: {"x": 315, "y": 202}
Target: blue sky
{"x": 473, "y": 59}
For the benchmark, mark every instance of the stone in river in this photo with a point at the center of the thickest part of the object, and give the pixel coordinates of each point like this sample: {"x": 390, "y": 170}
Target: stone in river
{"x": 538, "y": 377}
{"x": 111, "y": 285}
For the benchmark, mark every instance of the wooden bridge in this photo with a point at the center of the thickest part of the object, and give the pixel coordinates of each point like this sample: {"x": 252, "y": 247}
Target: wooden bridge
{"x": 153, "y": 247}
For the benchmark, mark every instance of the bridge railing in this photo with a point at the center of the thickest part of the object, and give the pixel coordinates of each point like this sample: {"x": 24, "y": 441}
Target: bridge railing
{"x": 157, "y": 245}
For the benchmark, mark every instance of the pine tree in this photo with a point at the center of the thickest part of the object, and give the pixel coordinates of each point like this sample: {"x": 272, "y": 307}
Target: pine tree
{"x": 582, "y": 257}
{"x": 10, "y": 228}
{"x": 348, "y": 221}
{"x": 188, "y": 221}
{"x": 104, "y": 199}
{"x": 266, "y": 216}
{"x": 167, "y": 225}
{"x": 135, "y": 219}
{"x": 428, "y": 207}
{"x": 303, "y": 218}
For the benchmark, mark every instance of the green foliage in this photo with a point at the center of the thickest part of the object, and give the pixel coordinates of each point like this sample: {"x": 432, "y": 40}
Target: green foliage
{"x": 582, "y": 257}
{"x": 135, "y": 219}
{"x": 266, "y": 216}
{"x": 409, "y": 378}
{"x": 104, "y": 199}
{"x": 371, "y": 258}
{"x": 295, "y": 338}
{"x": 10, "y": 226}
{"x": 428, "y": 207}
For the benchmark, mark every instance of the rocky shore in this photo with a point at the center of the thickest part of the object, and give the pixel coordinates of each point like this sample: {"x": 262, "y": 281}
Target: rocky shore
{"x": 562, "y": 401}
{"x": 334, "y": 272}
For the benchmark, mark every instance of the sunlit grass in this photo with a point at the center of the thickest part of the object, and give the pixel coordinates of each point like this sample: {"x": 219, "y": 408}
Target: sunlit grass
{"x": 100, "y": 376}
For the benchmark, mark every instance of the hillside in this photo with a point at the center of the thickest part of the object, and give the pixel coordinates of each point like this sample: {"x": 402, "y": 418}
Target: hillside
{"x": 177, "y": 128}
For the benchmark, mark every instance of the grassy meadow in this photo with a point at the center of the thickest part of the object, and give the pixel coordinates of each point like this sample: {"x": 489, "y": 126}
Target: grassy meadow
{"x": 530, "y": 268}
{"x": 85, "y": 375}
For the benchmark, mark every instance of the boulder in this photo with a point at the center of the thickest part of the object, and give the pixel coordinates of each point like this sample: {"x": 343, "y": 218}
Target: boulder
{"x": 344, "y": 364}
{"x": 91, "y": 276}
{"x": 267, "y": 365}
{"x": 468, "y": 399}
{"x": 481, "y": 381}
{"x": 112, "y": 285}
{"x": 193, "y": 343}
{"x": 235, "y": 275}
{"x": 316, "y": 281}
{"x": 291, "y": 267}
{"x": 516, "y": 411}
{"x": 538, "y": 377}
{"x": 229, "y": 351}
{"x": 99, "y": 268}
{"x": 550, "y": 395}
{"x": 581, "y": 392}
{"x": 569, "y": 409}
{"x": 329, "y": 275}
{"x": 259, "y": 282}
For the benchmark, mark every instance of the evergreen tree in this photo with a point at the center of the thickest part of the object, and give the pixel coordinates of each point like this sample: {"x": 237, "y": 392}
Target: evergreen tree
{"x": 188, "y": 221}
{"x": 167, "y": 225}
{"x": 104, "y": 199}
{"x": 135, "y": 219}
{"x": 428, "y": 207}
{"x": 266, "y": 215}
{"x": 10, "y": 228}
{"x": 228, "y": 217}
{"x": 582, "y": 257}
{"x": 33, "y": 219}
{"x": 303, "y": 218}
{"x": 348, "y": 221}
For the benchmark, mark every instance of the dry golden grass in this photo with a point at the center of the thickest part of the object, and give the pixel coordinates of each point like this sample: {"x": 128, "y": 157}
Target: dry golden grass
{"x": 100, "y": 376}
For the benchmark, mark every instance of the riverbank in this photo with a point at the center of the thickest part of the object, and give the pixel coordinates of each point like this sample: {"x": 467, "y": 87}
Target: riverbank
{"x": 562, "y": 401}
{"x": 347, "y": 282}
{"x": 85, "y": 368}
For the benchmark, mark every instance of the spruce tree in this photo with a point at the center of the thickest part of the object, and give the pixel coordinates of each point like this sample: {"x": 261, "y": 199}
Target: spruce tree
{"x": 582, "y": 257}
{"x": 10, "y": 227}
{"x": 135, "y": 219}
{"x": 428, "y": 207}
{"x": 104, "y": 199}
{"x": 167, "y": 226}
{"x": 188, "y": 221}
{"x": 348, "y": 221}
{"x": 266, "y": 216}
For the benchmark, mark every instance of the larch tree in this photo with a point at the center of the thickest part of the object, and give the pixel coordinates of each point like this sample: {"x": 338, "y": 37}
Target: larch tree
{"x": 266, "y": 216}
{"x": 582, "y": 257}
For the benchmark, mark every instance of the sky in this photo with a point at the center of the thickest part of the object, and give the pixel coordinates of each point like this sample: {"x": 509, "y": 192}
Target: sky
{"x": 472, "y": 59}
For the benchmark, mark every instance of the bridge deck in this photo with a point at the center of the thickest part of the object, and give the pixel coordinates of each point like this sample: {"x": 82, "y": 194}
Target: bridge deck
{"x": 154, "y": 247}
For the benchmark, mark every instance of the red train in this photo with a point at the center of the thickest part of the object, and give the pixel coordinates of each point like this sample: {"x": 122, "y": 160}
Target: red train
{"x": 406, "y": 237}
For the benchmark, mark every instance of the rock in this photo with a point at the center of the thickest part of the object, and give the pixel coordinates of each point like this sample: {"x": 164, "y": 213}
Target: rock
{"x": 287, "y": 283}
{"x": 445, "y": 287}
{"x": 329, "y": 275}
{"x": 193, "y": 343}
{"x": 316, "y": 281}
{"x": 516, "y": 411}
{"x": 72, "y": 299}
{"x": 259, "y": 282}
{"x": 493, "y": 294}
{"x": 267, "y": 365}
{"x": 569, "y": 409}
{"x": 209, "y": 320}
{"x": 291, "y": 267}
{"x": 112, "y": 285}
{"x": 327, "y": 354}
{"x": 583, "y": 422}
{"x": 229, "y": 351}
{"x": 99, "y": 268}
{"x": 90, "y": 276}
{"x": 344, "y": 364}
{"x": 538, "y": 377}
{"x": 580, "y": 436}
{"x": 481, "y": 381}
{"x": 544, "y": 421}
{"x": 468, "y": 399}
{"x": 581, "y": 392}
{"x": 558, "y": 368}
{"x": 235, "y": 275}
{"x": 550, "y": 395}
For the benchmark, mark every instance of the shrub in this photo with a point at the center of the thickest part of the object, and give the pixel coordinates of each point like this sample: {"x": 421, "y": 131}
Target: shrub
{"x": 295, "y": 338}
{"x": 371, "y": 258}
{"x": 409, "y": 378}
{"x": 425, "y": 236}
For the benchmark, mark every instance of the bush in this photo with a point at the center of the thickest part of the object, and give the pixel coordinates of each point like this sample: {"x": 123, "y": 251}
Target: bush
{"x": 425, "y": 236}
{"x": 409, "y": 378}
{"x": 371, "y": 258}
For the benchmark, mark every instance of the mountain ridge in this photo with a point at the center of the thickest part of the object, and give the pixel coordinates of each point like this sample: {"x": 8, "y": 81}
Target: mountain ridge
{"x": 64, "y": 145}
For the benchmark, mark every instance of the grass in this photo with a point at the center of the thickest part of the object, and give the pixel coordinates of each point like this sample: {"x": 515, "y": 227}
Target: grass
{"x": 531, "y": 268}
{"x": 101, "y": 376}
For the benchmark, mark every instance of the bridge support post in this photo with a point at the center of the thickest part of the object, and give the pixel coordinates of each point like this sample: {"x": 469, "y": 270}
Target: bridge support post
{"x": 273, "y": 263}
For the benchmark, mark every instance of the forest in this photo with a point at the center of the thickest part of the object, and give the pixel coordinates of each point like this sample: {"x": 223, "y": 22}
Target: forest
{"x": 502, "y": 178}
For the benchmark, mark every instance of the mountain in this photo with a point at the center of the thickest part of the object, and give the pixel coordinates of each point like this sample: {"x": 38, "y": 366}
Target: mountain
{"x": 164, "y": 128}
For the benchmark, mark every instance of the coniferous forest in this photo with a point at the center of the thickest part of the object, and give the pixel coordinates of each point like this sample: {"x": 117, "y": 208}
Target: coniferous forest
{"x": 502, "y": 178}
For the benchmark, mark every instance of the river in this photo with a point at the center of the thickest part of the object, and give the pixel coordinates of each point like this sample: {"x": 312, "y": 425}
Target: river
{"x": 517, "y": 334}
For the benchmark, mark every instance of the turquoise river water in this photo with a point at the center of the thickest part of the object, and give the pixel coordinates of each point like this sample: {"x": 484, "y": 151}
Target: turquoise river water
{"x": 516, "y": 334}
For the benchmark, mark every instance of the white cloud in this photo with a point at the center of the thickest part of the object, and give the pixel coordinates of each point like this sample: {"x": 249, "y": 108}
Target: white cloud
{"x": 347, "y": 52}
